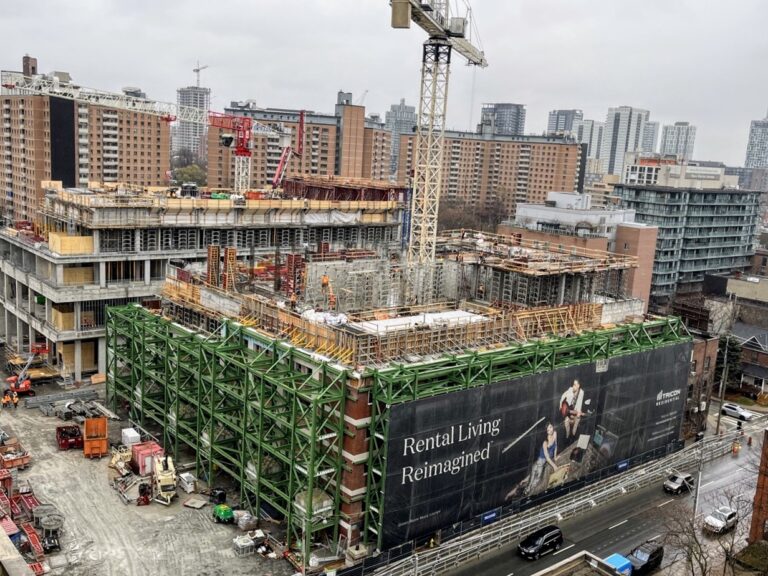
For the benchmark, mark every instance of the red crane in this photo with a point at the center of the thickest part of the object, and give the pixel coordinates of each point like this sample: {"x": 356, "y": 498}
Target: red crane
{"x": 288, "y": 151}
{"x": 240, "y": 132}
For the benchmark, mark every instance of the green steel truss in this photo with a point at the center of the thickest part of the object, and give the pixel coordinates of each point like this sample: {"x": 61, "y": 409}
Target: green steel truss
{"x": 262, "y": 412}
{"x": 403, "y": 383}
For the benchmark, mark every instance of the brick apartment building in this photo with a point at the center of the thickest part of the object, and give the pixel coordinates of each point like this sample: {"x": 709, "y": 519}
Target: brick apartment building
{"x": 485, "y": 170}
{"x": 47, "y": 138}
{"x": 344, "y": 144}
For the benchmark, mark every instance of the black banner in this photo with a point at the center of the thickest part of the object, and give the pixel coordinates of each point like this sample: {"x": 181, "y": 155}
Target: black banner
{"x": 453, "y": 457}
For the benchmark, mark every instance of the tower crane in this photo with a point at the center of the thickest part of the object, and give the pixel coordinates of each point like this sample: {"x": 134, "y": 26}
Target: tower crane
{"x": 446, "y": 33}
{"x": 288, "y": 151}
{"x": 198, "y": 70}
{"x": 243, "y": 127}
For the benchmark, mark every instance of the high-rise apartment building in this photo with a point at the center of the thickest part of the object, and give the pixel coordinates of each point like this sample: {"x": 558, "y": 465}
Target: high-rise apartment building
{"x": 705, "y": 228}
{"x": 623, "y": 133}
{"x": 345, "y": 144}
{"x": 400, "y": 119}
{"x": 678, "y": 139}
{"x": 486, "y": 172}
{"x": 757, "y": 147}
{"x": 589, "y": 132}
{"x": 563, "y": 121}
{"x": 650, "y": 137}
{"x": 50, "y": 138}
{"x": 191, "y": 135}
{"x": 504, "y": 119}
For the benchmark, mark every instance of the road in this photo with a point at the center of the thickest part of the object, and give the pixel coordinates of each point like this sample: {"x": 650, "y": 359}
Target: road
{"x": 630, "y": 520}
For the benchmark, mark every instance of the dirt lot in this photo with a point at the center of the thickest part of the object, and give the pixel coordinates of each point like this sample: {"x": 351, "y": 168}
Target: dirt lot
{"x": 104, "y": 537}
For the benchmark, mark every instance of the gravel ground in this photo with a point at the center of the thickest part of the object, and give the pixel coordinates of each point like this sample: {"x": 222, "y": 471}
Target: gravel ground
{"x": 104, "y": 537}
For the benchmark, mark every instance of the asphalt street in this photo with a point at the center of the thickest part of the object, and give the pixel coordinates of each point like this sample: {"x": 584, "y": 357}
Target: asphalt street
{"x": 631, "y": 519}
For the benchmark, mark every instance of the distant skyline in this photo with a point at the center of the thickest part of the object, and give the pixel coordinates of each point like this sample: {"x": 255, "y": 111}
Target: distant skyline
{"x": 697, "y": 61}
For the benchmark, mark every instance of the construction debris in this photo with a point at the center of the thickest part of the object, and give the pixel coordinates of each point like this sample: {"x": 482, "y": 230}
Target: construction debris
{"x": 12, "y": 455}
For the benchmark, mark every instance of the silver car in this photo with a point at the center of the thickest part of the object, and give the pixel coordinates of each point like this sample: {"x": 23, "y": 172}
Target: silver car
{"x": 736, "y": 411}
{"x": 721, "y": 520}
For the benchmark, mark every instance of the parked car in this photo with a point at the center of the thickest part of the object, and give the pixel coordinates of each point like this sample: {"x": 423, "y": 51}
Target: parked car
{"x": 736, "y": 411}
{"x": 678, "y": 483}
{"x": 536, "y": 544}
{"x": 646, "y": 558}
{"x": 721, "y": 520}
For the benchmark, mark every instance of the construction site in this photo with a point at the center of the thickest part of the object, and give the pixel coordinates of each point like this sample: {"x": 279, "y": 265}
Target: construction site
{"x": 337, "y": 377}
{"x": 283, "y": 373}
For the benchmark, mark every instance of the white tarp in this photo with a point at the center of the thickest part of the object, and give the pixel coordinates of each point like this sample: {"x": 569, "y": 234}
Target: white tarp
{"x": 332, "y": 217}
{"x": 450, "y": 317}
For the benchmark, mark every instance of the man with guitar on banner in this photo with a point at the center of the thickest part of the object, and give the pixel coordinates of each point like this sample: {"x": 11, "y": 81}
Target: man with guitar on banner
{"x": 571, "y": 404}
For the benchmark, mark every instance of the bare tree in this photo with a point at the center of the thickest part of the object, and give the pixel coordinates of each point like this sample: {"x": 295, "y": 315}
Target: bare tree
{"x": 685, "y": 541}
{"x": 737, "y": 497}
{"x": 701, "y": 550}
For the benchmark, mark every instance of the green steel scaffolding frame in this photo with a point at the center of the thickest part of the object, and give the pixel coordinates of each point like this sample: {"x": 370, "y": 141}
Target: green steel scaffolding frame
{"x": 271, "y": 416}
{"x": 408, "y": 382}
{"x": 259, "y": 410}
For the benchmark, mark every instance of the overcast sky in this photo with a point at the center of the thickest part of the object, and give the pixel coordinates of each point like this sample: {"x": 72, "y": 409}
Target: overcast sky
{"x": 702, "y": 61}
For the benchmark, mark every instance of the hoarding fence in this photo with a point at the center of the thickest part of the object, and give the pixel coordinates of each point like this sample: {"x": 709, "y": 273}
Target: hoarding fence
{"x": 472, "y": 539}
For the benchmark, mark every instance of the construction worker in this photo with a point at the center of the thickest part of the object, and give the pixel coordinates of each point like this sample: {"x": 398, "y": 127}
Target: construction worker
{"x": 293, "y": 300}
{"x": 324, "y": 283}
{"x": 332, "y": 301}
{"x": 15, "y": 399}
{"x": 6, "y": 399}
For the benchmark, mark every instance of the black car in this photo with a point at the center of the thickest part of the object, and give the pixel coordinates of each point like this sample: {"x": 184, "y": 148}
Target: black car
{"x": 538, "y": 543}
{"x": 646, "y": 558}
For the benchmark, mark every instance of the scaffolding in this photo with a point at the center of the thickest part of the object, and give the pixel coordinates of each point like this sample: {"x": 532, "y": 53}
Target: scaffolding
{"x": 245, "y": 406}
{"x": 272, "y": 417}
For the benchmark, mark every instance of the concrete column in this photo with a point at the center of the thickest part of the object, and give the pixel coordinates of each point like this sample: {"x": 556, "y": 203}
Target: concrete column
{"x": 78, "y": 361}
{"x": 102, "y": 274}
{"x": 576, "y": 289}
{"x": 96, "y": 239}
{"x": 18, "y": 295}
{"x": 48, "y": 311}
{"x": 19, "y": 334}
{"x": 78, "y": 315}
{"x": 3, "y": 327}
{"x": 31, "y": 335}
{"x": 147, "y": 272}
{"x": 59, "y": 274}
{"x": 561, "y": 292}
{"x": 137, "y": 241}
{"x": 102, "y": 355}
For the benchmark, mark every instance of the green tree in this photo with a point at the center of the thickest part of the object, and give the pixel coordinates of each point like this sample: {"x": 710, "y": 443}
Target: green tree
{"x": 184, "y": 157}
{"x": 191, "y": 173}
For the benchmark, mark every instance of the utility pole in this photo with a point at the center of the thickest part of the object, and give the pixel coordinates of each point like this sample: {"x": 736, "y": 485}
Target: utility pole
{"x": 698, "y": 482}
{"x": 723, "y": 380}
